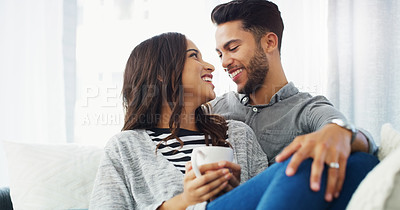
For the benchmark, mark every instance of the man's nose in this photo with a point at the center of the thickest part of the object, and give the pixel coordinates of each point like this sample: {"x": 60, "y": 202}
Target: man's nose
{"x": 226, "y": 61}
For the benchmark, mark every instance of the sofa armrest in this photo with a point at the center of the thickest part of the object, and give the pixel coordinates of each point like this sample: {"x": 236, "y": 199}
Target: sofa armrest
{"x": 5, "y": 199}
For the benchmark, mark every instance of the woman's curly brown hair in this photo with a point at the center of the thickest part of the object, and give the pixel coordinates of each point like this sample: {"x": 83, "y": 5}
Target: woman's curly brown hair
{"x": 153, "y": 74}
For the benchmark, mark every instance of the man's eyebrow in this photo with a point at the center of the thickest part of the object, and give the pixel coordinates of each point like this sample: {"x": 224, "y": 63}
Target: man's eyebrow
{"x": 226, "y": 45}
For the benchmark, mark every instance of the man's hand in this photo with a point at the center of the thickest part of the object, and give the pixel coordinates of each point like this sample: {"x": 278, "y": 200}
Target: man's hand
{"x": 331, "y": 144}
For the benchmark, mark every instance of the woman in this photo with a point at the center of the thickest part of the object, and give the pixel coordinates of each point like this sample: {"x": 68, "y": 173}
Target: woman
{"x": 146, "y": 166}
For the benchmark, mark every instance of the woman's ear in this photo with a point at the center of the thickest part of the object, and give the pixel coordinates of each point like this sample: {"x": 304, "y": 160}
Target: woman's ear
{"x": 269, "y": 42}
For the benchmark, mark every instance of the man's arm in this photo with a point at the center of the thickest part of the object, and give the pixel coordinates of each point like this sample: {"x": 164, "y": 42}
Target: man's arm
{"x": 327, "y": 143}
{"x": 372, "y": 147}
{"x": 360, "y": 144}
{"x": 361, "y": 140}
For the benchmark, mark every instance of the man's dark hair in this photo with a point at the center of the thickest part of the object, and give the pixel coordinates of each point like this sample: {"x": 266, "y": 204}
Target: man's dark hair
{"x": 257, "y": 16}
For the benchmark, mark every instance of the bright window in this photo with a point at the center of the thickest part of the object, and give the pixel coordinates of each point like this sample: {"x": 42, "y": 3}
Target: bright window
{"x": 108, "y": 30}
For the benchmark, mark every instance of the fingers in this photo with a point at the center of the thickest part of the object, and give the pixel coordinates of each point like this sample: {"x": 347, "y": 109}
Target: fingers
{"x": 206, "y": 168}
{"x": 211, "y": 184}
{"x": 188, "y": 166}
{"x": 288, "y": 151}
{"x": 335, "y": 177}
{"x": 321, "y": 160}
{"x": 317, "y": 168}
{"x": 236, "y": 171}
{"x": 342, "y": 174}
{"x": 232, "y": 166}
{"x": 331, "y": 185}
{"x": 216, "y": 179}
{"x": 210, "y": 167}
{"x": 228, "y": 187}
{"x": 214, "y": 193}
{"x": 333, "y": 174}
{"x": 233, "y": 182}
{"x": 213, "y": 188}
{"x": 324, "y": 146}
{"x": 299, "y": 156}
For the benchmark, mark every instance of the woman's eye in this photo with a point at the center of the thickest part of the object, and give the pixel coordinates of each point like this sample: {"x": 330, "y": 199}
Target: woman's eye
{"x": 193, "y": 55}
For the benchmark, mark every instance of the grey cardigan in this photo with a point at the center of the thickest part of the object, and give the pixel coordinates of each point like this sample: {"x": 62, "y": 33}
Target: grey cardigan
{"x": 132, "y": 176}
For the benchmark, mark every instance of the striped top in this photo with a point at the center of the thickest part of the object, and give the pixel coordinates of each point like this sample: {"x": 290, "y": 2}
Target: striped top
{"x": 171, "y": 149}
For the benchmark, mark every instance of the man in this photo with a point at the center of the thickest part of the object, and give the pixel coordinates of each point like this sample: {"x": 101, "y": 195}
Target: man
{"x": 286, "y": 121}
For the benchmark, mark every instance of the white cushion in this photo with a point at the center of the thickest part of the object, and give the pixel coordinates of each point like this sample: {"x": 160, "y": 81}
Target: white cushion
{"x": 390, "y": 140}
{"x": 58, "y": 176}
{"x": 381, "y": 187}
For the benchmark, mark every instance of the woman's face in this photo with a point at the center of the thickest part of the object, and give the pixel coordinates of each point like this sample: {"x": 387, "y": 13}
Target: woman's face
{"x": 196, "y": 77}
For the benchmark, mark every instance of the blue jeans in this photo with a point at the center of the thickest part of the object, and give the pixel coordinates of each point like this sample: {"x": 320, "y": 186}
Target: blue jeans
{"x": 272, "y": 189}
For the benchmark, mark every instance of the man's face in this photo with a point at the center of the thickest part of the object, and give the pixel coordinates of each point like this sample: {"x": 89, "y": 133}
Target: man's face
{"x": 241, "y": 56}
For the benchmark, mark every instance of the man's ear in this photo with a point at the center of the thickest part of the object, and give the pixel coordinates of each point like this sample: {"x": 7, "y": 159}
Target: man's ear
{"x": 269, "y": 42}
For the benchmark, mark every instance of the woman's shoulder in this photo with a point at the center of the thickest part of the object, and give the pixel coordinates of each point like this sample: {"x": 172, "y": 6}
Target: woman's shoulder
{"x": 129, "y": 133}
{"x": 128, "y": 138}
{"x": 238, "y": 125}
{"x": 240, "y": 132}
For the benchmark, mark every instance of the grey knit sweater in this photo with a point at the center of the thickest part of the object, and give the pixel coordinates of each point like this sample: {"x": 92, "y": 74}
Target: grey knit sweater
{"x": 132, "y": 176}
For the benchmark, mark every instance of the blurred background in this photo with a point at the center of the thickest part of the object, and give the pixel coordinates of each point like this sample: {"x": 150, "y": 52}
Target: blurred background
{"x": 62, "y": 61}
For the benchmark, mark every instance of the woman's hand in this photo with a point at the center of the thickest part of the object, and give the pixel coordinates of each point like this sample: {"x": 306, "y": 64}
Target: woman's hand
{"x": 235, "y": 170}
{"x": 233, "y": 182}
{"x": 216, "y": 179}
{"x": 213, "y": 180}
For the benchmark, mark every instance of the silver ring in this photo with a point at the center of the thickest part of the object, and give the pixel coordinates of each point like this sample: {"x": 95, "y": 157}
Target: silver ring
{"x": 334, "y": 165}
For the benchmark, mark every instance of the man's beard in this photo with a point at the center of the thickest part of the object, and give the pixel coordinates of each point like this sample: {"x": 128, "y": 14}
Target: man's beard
{"x": 256, "y": 72}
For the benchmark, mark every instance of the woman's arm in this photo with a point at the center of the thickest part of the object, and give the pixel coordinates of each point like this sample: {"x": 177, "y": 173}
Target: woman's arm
{"x": 110, "y": 189}
{"x": 256, "y": 157}
{"x": 174, "y": 203}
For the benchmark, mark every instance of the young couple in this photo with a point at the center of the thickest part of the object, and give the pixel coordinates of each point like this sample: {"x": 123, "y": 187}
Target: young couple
{"x": 167, "y": 87}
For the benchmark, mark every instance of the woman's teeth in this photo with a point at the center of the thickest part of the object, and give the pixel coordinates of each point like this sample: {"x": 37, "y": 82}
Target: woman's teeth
{"x": 207, "y": 79}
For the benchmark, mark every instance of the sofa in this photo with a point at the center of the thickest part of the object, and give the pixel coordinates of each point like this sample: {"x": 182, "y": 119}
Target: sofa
{"x": 50, "y": 176}
{"x": 5, "y": 199}
{"x": 61, "y": 176}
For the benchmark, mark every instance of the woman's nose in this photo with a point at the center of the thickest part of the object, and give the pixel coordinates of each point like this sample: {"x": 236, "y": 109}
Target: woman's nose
{"x": 209, "y": 67}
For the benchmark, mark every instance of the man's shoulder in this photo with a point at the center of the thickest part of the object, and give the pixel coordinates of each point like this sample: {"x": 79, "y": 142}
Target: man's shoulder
{"x": 307, "y": 98}
{"x": 225, "y": 102}
{"x": 291, "y": 92}
{"x": 229, "y": 106}
{"x": 318, "y": 99}
{"x": 230, "y": 96}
